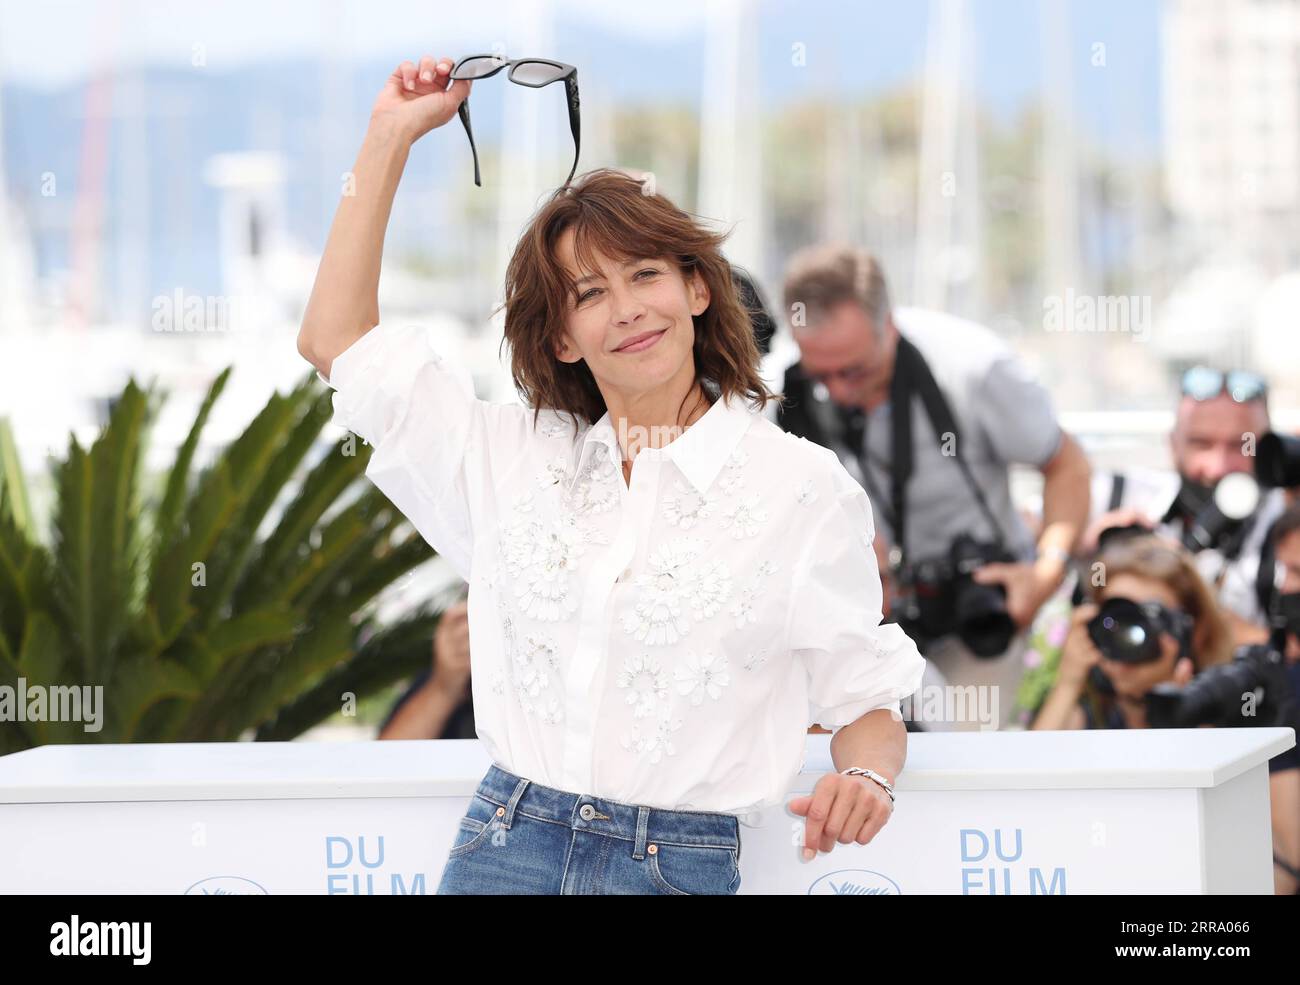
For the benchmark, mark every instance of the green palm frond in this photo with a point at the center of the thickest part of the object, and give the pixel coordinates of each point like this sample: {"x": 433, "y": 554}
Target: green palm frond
{"x": 196, "y": 623}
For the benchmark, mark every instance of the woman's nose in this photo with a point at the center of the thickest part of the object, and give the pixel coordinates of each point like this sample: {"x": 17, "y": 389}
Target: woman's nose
{"x": 626, "y": 308}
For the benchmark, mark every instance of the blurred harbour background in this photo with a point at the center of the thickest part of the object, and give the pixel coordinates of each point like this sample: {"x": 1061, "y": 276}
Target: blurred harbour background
{"x": 1113, "y": 186}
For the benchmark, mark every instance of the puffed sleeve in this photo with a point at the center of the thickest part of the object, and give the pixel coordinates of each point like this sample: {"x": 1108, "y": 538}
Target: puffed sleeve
{"x": 854, "y": 662}
{"x": 434, "y": 442}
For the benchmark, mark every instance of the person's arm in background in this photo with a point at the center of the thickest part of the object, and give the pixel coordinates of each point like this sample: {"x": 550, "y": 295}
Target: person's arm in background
{"x": 1066, "y": 501}
{"x": 344, "y": 300}
{"x": 424, "y": 714}
{"x": 1284, "y": 796}
{"x": 1015, "y": 412}
{"x": 1061, "y": 708}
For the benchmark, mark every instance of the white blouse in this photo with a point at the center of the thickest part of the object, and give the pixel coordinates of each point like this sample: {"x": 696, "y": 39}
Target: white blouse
{"x": 666, "y": 643}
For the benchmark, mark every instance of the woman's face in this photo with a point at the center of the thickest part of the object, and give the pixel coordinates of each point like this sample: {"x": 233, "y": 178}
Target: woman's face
{"x": 617, "y": 302}
{"x": 1135, "y": 680}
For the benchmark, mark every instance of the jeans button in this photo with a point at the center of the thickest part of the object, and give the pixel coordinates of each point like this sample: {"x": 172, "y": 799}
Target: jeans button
{"x": 587, "y": 812}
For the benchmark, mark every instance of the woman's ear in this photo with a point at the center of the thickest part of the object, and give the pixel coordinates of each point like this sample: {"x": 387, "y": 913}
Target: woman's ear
{"x": 566, "y": 351}
{"x": 700, "y": 296}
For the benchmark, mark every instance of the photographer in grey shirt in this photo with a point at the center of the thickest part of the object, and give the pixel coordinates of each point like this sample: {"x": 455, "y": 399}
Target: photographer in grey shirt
{"x": 968, "y": 574}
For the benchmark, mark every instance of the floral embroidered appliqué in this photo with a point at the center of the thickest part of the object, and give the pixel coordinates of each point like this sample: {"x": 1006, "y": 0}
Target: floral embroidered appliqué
{"x": 686, "y": 507}
{"x": 542, "y": 558}
{"x": 595, "y": 490}
{"x": 555, "y": 428}
{"x": 548, "y": 710}
{"x": 805, "y": 494}
{"x": 732, "y": 478}
{"x": 673, "y": 588}
{"x": 744, "y": 611}
{"x": 536, "y": 659}
{"x": 702, "y": 674}
{"x": 655, "y": 739}
{"x": 554, "y": 473}
{"x": 530, "y": 666}
{"x": 646, "y": 683}
{"x": 712, "y": 588}
{"x": 744, "y": 518}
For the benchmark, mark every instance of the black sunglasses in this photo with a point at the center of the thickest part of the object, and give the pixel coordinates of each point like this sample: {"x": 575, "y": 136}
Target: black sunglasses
{"x": 1205, "y": 383}
{"x": 532, "y": 72}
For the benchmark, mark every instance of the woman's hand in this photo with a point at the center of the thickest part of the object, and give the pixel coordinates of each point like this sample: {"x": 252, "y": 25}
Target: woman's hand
{"x": 420, "y": 98}
{"x": 1078, "y": 654}
{"x": 841, "y": 809}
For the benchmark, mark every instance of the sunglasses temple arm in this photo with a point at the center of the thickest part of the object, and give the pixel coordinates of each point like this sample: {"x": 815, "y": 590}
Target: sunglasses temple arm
{"x": 575, "y": 119}
{"x": 463, "y": 111}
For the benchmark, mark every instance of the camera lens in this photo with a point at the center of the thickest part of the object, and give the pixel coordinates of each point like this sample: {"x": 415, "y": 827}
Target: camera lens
{"x": 983, "y": 622}
{"x": 1123, "y": 632}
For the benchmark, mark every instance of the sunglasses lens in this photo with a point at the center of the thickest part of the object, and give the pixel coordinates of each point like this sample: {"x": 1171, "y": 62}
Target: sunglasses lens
{"x": 476, "y": 68}
{"x": 535, "y": 73}
{"x": 1245, "y": 386}
{"x": 1202, "y": 383}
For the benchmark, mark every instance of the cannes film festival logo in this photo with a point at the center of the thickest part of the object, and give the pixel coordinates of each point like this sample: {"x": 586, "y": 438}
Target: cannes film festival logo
{"x": 226, "y": 886}
{"x": 854, "y": 882}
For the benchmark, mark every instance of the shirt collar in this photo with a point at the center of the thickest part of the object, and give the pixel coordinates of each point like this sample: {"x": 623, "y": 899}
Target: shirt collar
{"x": 700, "y": 451}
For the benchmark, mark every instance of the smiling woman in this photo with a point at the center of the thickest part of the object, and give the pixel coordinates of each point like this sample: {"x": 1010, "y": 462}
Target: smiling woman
{"x": 603, "y": 269}
{"x": 646, "y": 653}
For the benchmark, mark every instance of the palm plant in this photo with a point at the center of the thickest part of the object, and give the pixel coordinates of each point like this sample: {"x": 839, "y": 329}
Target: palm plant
{"x": 196, "y": 627}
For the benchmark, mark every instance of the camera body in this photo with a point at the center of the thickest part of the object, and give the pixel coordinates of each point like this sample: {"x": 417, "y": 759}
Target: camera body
{"x": 1251, "y": 690}
{"x": 938, "y": 597}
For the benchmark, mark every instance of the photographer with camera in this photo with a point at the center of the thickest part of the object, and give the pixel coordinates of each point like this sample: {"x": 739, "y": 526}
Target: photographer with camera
{"x": 1152, "y": 649}
{"x": 1211, "y": 502}
{"x": 928, "y": 412}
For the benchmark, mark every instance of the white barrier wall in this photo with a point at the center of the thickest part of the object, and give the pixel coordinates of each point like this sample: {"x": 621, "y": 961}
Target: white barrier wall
{"x": 1159, "y": 811}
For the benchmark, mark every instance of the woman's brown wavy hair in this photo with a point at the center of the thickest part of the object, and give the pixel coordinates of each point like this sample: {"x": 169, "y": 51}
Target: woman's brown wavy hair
{"x": 611, "y": 212}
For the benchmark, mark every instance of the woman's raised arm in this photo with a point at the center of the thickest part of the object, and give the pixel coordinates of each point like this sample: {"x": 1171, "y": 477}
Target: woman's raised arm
{"x": 344, "y": 302}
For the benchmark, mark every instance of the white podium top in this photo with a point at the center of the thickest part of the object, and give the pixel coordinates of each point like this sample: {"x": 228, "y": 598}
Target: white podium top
{"x": 1119, "y": 758}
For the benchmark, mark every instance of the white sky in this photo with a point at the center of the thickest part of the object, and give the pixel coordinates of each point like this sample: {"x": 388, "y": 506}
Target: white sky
{"x": 48, "y": 43}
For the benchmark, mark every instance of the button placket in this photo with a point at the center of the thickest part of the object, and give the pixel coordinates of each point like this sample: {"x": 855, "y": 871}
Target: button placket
{"x": 582, "y": 707}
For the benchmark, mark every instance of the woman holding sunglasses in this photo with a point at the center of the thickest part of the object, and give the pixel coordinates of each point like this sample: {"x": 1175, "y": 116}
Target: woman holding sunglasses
{"x": 666, "y": 589}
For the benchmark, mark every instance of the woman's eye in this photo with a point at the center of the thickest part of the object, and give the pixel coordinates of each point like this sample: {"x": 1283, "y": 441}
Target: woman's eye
{"x": 649, "y": 270}
{"x": 587, "y": 294}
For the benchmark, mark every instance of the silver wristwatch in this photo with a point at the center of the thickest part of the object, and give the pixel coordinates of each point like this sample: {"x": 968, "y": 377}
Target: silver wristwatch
{"x": 871, "y": 775}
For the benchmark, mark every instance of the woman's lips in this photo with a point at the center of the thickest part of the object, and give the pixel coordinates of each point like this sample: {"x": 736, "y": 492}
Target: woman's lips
{"x": 644, "y": 343}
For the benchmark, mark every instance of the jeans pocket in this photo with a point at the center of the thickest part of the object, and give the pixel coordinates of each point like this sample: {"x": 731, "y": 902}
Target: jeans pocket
{"x": 476, "y": 827}
{"x": 693, "y": 870}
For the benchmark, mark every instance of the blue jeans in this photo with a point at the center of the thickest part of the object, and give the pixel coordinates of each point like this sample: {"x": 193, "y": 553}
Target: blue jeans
{"x": 519, "y": 837}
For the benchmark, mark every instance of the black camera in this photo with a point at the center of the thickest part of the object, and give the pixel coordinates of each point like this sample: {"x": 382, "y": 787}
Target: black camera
{"x": 1251, "y": 690}
{"x": 1285, "y": 616}
{"x": 939, "y": 597}
{"x": 1129, "y": 632}
{"x": 1216, "y": 517}
{"x": 1277, "y": 460}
